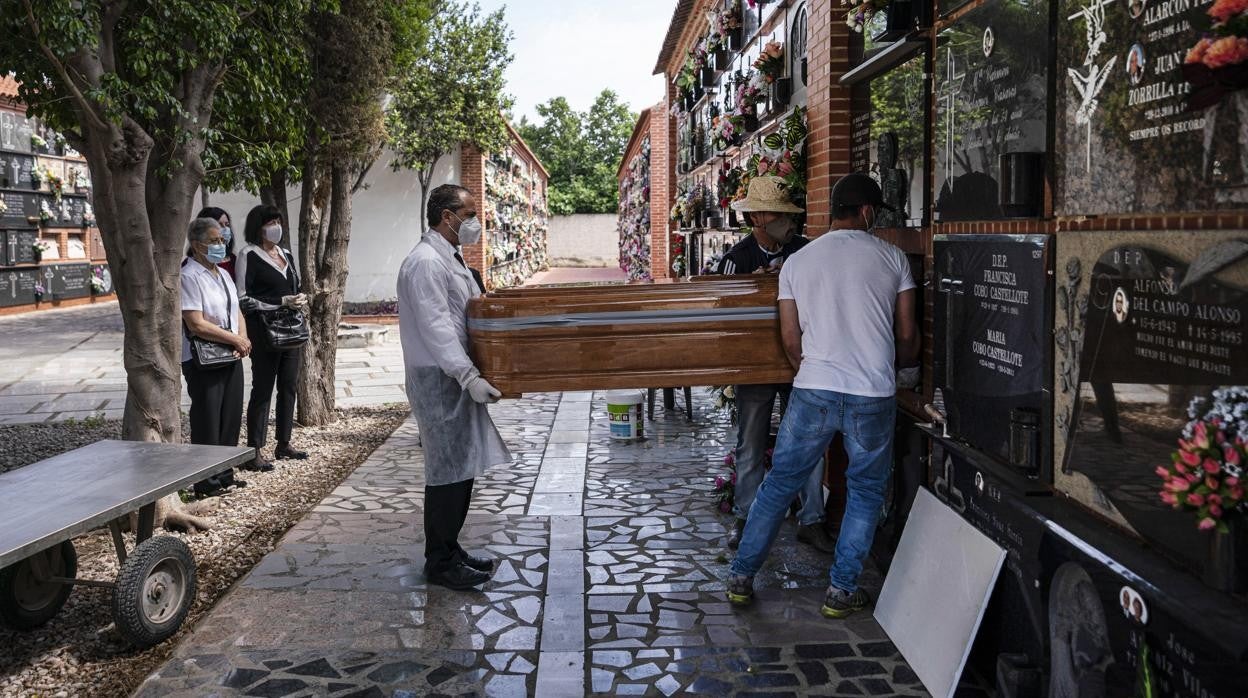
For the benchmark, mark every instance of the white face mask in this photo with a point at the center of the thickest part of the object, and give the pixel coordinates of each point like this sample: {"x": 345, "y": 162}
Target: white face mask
{"x": 469, "y": 232}
{"x": 273, "y": 234}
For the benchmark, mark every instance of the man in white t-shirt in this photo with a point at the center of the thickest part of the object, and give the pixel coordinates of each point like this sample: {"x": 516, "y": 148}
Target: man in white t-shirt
{"x": 847, "y": 317}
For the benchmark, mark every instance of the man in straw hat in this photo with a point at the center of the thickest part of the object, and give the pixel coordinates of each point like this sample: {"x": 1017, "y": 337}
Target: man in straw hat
{"x": 774, "y": 239}
{"x": 847, "y": 318}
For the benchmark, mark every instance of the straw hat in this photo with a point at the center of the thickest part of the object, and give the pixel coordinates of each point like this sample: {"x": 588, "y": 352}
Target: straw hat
{"x": 766, "y": 194}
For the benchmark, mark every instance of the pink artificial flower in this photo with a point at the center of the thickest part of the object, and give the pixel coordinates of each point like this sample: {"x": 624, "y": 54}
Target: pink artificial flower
{"x": 1163, "y": 472}
{"x": 1226, "y": 10}
{"x": 725, "y": 507}
{"x": 1169, "y": 498}
{"x": 1190, "y": 458}
{"x": 719, "y": 482}
{"x": 1215, "y": 511}
{"x": 784, "y": 169}
{"x": 1220, "y": 437}
{"x": 1178, "y": 465}
{"x": 1192, "y": 478}
{"x": 1195, "y": 500}
{"x": 1211, "y": 483}
{"x": 1178, "y": 484}
{"x": 1211, "y": 466}
{"x": 1231, "y": 481}
{"x": 1214, "y": 499}
{"x": 1231, "y": 454}
{"x": 1201, "y": 438}
{"x": 1237, "y": 493}
{"x": 728, "y": 459}
{"x": 1206, "y": 524}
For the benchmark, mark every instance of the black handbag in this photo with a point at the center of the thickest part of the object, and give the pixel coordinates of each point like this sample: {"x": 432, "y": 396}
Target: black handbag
{"x": 284, "y": 328}
{"x": 207, "y": 354}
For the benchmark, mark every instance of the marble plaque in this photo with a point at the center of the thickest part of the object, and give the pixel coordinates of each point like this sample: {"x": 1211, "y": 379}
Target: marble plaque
{"x": 67, "y": 280}
{"x": 17, "y": 286}
{"x": 1124, "y": 142}
{"x": 991, "y": 317}
{"x": 15, "y": 131}
{"x": 1165, "y": 332}
{"x": 991, "y": 84}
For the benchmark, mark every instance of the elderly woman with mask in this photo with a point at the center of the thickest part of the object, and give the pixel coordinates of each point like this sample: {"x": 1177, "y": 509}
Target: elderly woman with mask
{"x": 210, "y": 312}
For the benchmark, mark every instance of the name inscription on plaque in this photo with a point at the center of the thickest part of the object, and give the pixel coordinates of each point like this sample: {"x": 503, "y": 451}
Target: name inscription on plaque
{"x": 15, "y": 131}
{"x": 1124, "y": 142}
{"x": 67, "y": 280}
{"x": 17, "y": 286}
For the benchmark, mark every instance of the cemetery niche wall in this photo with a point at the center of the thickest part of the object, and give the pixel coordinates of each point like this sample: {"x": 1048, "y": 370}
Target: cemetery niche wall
{"x": 1125, "y": 142}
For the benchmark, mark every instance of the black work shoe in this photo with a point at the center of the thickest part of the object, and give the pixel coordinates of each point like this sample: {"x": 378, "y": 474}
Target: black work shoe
{"x": 459, "y": 577}
{"x": 734, "y": 538}
{"x": 481, "y": 564}
{"x": 838, "y": 603}
{"x": 285, "y": 452}
{"x": 740, "y": 589}
{"x": 816, "y": 536}
{"x": 258, "y": 465}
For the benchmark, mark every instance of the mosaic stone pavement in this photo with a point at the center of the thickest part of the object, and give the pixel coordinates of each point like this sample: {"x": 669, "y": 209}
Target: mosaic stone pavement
{"x": 610, "y": 581}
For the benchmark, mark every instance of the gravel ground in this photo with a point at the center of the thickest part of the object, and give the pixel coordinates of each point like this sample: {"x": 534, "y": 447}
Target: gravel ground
{"x": 79, "y": 653}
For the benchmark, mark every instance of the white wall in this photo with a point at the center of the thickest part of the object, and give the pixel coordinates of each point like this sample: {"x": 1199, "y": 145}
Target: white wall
{"x": 584, "y": 240}
{"x": 386, "y": 223}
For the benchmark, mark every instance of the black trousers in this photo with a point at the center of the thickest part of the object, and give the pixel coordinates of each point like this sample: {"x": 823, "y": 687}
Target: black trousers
{"x": 446, "y": 507}
{"x": 216, "y": 408}
{"x": 269, "y": 368}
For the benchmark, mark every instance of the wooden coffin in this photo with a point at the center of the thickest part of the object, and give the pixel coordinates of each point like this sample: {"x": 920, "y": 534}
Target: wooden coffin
{"x": 715, "y": 332}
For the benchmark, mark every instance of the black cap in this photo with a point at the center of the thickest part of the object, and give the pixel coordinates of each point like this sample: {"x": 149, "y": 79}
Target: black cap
{"x": 857, "y": 189}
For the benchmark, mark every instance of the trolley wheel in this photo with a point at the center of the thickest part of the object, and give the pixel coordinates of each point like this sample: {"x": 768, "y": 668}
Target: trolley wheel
{"x": 155, "y": 590}
{"x": 27, "y": 602}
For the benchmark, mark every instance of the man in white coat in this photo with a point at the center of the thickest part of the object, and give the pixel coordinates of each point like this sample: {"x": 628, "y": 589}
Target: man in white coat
{"x": 446, "y": 391}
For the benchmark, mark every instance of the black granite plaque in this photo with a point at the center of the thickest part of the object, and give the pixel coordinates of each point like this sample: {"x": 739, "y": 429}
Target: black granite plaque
{"x": 15, "y": 131}
{"x": 15, "y": 170}
{"x": 17, "y": 247}
{"x": 20, "y": 207}
{"x": 1160, "y": 332}
{"x": 76, "y": 206}
{"x": 67, "y": 280}
{"x": 1124, "y": 142}
{"x": 991, "y": 83}
{"x": 17, "y": 286}
{"x": 991, "y": 322}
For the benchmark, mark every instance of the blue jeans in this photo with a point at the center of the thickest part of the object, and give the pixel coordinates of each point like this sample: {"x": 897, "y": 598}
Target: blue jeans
{"x": 754, "y": 404}
{"x": 813, "y": 419}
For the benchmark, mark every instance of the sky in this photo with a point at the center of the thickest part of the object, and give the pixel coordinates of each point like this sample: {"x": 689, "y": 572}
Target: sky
{"x": 576, "y": 48}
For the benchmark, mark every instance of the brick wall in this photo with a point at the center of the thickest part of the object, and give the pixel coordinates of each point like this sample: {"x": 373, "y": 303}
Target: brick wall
{"x": 828, "y": 110}
{"x": 472, "y": 176}
{"x": 662, "y": 183}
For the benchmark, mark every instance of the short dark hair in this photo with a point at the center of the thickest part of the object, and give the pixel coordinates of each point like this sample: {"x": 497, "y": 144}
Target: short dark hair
{"x": 257, "y": 218}
{"x": 446, "y": 197}
{"x": 843, "y": 212}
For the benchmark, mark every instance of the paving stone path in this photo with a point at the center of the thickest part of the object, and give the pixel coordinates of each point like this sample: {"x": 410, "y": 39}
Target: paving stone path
{"x": 610, "y": 580}
{"x": 67, "y": 364}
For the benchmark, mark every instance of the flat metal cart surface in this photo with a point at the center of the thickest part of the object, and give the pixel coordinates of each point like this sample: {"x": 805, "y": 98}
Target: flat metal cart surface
{"x": 45, "y": 505}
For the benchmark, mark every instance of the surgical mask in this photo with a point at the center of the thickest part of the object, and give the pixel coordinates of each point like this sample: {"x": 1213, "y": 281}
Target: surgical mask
{"x": 780, "y": 230}
{"x": 273, "y": 234}
{"x": 227, "y": 235}
{"x": 215, "y": 253}
{"x": 469, "y": 232}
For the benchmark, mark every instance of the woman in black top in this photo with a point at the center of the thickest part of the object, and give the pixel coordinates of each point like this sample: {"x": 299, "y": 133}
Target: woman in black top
{"x": 265, "y": 272}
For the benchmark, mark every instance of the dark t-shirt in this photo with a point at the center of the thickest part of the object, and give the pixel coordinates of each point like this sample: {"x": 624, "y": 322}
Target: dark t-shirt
{"x": 747, "y": 256}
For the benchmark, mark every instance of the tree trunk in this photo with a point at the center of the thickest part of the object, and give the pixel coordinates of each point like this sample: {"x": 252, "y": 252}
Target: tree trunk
{"x": 274, "y": 194}
{"x": 425, "y": 177}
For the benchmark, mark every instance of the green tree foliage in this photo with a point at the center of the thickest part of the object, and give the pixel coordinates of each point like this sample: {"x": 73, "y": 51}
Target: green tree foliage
{"x": 452, "y": 93}
{"x": 582, "y": 151}
{"x": 132, "y": 85}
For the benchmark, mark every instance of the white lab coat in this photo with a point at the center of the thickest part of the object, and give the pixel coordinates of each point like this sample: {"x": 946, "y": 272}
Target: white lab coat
{"x": 459, "y": 438}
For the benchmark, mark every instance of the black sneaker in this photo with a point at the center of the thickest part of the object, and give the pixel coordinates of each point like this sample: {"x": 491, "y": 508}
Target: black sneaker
{"x": 816, "y": 536}
{"x": 740, "y": 589}
{"x": 839, "y": 604}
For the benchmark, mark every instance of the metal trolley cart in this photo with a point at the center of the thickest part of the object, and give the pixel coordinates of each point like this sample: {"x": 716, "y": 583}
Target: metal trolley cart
{"x": 45, "y": 505}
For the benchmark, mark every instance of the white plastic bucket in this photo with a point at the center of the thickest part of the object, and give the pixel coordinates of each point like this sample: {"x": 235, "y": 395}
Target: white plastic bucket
{"x": 624, "y": 408}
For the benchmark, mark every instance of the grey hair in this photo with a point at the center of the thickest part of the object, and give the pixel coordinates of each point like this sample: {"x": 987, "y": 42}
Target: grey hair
{"x": 200, "y": 227}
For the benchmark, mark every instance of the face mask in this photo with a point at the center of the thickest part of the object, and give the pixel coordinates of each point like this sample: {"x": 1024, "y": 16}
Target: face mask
{"x": 215, "y": 253}
{"x": 228, "y": 235}
{"x": 469, "y": 230}
{"x": 780, "y": 230}
{"x": 273, "y": 234}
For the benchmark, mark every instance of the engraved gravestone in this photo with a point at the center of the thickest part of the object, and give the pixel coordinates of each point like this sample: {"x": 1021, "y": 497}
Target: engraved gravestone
{"x": 17, "y": 286}
{"x": 18, "y": 247}
{"x": 15, "y": 131}
{"x": 1124, "y": 142}
{"x": 15, "y": 170}
{"x": 992, "y": 94}
{"x": 1160, "y": 332}
{"x": 67, "y": 280}
{"x": 20, "y": 206}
